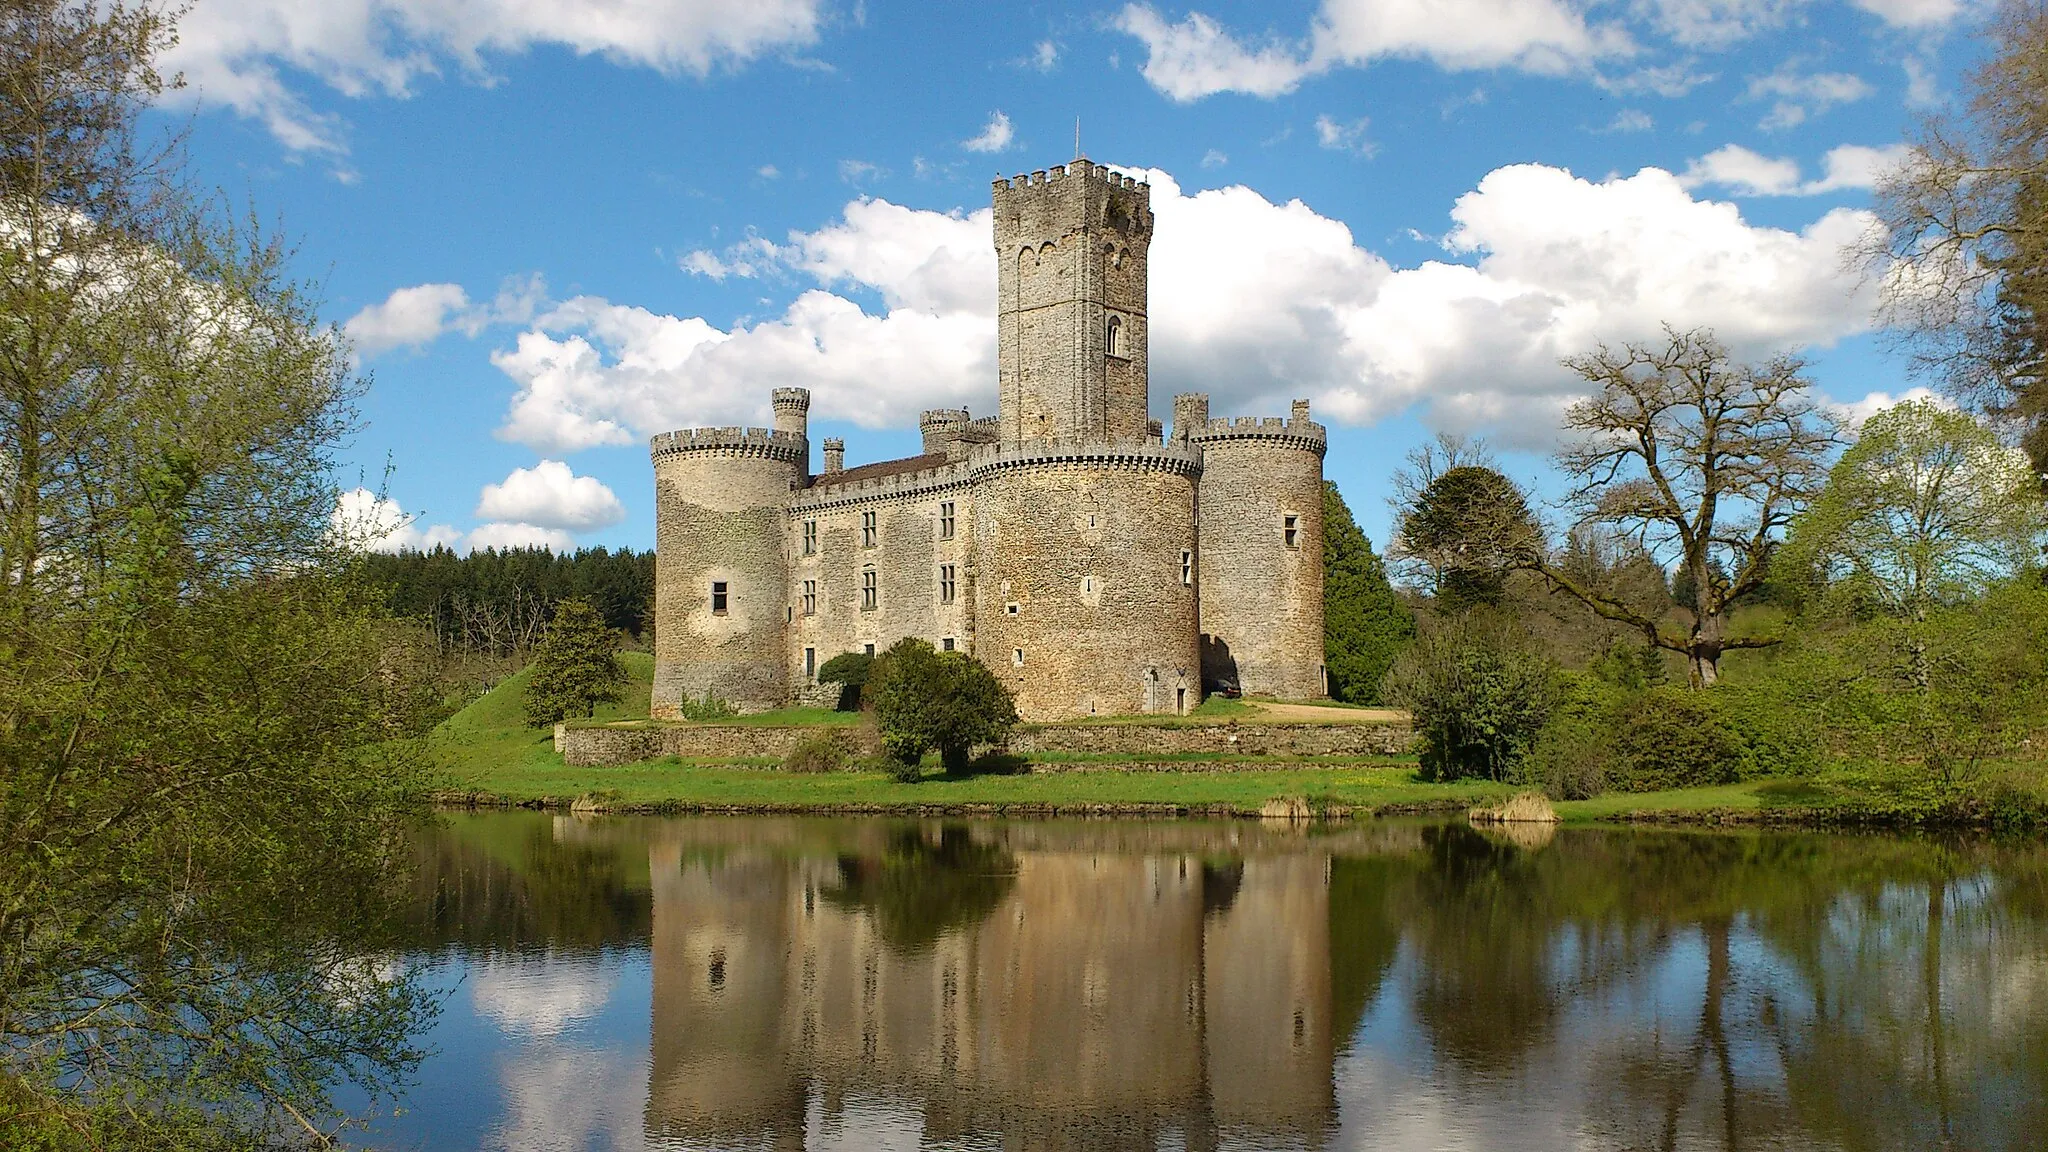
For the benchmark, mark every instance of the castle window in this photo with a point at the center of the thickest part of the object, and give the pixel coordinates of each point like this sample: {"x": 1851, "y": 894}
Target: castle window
{"x": 1187, "y": 567}
{"x": 1113, "y": 337}
{"x": 1011, "y": 607}
{"x": 1017, "y": 657}
{"x": 811, "y": 665}
{"x": 946, "y": 520}
{"x": 946, "y": 645}
{"x": 718, "y": 598}
{"x": 810, "y": 537}
{"x": 867, "y": 529}
{"x": 810, "y": 597}
{"x": 1290, "y": 530}
{"x": 868, "y": 649}
{"x": 947, "y": 586}
{"x": 870, "y": 591}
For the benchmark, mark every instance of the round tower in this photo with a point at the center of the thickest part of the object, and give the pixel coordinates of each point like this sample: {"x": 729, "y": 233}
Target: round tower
{"x": 1261, "y": 569}
{"x": 721, "y": 577}
{"x": 1084, "y": 569}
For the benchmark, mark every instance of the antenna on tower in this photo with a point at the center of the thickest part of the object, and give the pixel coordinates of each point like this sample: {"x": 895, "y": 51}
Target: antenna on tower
{"x": 1077, "y": 137}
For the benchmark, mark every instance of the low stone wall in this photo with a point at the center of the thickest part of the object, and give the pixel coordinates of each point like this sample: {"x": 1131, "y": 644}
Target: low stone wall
{"x": 585, "y": 747}
{"x": 1235, "y": 739}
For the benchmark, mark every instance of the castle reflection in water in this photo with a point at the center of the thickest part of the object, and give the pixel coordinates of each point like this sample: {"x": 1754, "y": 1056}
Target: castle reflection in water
{"x": 1103, "y": 992}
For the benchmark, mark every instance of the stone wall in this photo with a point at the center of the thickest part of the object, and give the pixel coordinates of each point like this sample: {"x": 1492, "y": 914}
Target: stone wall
{"x": 1235, "y": 739}
{"x": 1080, "y": 606}
{"x": 586, "y": 747}
{"x": 1262, "y": 594}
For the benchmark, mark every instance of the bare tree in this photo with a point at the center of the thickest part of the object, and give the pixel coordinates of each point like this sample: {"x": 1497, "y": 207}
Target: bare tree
{"x": 1963, "y": 253}
{"x": 1702, "y": 460}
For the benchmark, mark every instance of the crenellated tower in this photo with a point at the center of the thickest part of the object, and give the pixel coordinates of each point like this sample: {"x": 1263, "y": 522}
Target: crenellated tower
{"x": 1072, "y": 244}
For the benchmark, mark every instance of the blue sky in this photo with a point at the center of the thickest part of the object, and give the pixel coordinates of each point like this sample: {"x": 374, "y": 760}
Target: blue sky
{"x": 554, "y": 228}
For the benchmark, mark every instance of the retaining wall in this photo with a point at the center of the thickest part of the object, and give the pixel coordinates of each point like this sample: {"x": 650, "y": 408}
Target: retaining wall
{"x": 586, "y": 747}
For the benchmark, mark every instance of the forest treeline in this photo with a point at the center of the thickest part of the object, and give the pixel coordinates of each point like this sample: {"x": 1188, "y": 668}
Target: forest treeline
{"x": 498, "y": 603}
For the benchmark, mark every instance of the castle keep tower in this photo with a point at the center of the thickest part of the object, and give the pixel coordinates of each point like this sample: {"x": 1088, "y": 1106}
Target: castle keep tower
{"x": 1071, "y": 250}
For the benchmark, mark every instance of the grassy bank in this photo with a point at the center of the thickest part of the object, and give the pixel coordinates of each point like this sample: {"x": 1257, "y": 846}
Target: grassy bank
{"x": 489, "y": 756}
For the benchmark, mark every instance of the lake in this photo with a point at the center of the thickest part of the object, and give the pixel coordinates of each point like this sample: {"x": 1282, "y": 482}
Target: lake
{"x": 815, "y": 983}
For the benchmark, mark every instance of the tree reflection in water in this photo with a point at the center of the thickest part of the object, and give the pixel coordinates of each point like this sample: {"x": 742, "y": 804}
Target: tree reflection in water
{"x": 1395, "y": 985}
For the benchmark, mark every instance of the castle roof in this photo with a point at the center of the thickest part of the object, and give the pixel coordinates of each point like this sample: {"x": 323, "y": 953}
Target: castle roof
{"x": 882, "y": 468}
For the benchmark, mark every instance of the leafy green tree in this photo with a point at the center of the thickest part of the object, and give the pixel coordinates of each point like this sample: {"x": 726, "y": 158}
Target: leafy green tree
{"x": 202, "y": 810}
{"x": 1928, "y": 506}
{"x": 576, "y": 667}
{"x": 1467, "y": 530}
{"x": 849, "y": 670}
{"x": 1478, "y": 692}
{"x": 1365, "y": 625}
{"x": 925, "y": 699}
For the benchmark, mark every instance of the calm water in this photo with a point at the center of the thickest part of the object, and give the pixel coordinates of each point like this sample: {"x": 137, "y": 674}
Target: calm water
{"x": 811, "y": 983}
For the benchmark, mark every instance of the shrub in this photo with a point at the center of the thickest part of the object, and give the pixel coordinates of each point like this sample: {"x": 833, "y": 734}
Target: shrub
{"x": 1479, "y": 696}
{"x": 1676, "y": 738}
{"x": 817, "y": 752}
{"x": 928, "y": 700}
{"x": 849, "y": 670}
{"x": 1574, "y": 755}
{"x": 708, "y": 708}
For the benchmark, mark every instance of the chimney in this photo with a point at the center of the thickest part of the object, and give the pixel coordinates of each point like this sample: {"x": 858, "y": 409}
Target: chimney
{"x": 835, "y": 455}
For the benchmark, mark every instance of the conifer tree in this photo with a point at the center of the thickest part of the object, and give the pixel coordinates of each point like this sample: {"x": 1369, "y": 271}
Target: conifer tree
{"x": 1365, "y": 625}
{"x": 575, "y": 668}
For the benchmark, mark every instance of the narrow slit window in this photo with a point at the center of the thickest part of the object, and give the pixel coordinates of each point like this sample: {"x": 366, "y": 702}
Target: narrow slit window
{"x": 719, "y": 598}
{"x": 1017, "y": 657}
{"x": 948, "y": 588}
{"x": 810, "y": 537}
{"x": 867, "y": 530}
{"x": 1290, "y": 530}
{"x": 1113, "y": 336}
{"x": 1187, "y": 567}
{"x": 870, "y": 590}
{"x": 811, "y": 664}
{"x": 947, "y": 522}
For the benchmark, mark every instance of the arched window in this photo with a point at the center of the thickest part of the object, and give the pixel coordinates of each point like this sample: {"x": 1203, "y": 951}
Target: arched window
{"x": 1113, "y": 336}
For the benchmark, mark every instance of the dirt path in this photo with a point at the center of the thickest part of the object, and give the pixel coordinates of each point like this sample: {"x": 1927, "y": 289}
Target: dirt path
{"x": 1310, "y": 713}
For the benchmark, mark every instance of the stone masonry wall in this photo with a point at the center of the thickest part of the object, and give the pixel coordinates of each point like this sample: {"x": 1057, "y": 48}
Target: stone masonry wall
{"x": 1262, "y": 599}
{"x": 1235, "y": 739}
{"x": 1078, "y": 570}
{"x": 586, "y": 747}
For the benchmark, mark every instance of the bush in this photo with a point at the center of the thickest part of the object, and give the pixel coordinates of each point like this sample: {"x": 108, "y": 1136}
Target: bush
{"x": 849, "y": 670}
{"x": 928, "y": 700}
{"x": 1676, "y": 738}
{"x": 817, "y": 752}
{"x": 1479, "y": 696}
{"x": 708, "y": 708}
{"x": 1574, "y": 755}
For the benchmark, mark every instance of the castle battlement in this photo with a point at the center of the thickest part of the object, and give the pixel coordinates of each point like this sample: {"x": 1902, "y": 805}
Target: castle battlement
{"x": 1078, "y": 170}
{"x": 1300, "y": 433}
{"x": 1149, "y": 455}
{"x": 768, "y": 442}
{"x": 826, "y": 493}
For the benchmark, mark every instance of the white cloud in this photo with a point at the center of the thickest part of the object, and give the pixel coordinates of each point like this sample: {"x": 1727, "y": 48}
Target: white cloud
{"x": 419, "y": 315}
{"x": 1631, "y": 120}
{"x": 409, "y": 317}
{"x": 1799, "y": 95}
{"x": 240, "y": 53}
{"x": 1214, "y": 158}
{"x": 1197, "y": 57}
{"x": 1748, "y": 173}
{"x": 1344, "y": 136}
{"x": 367, "y": 522}
{"x": 1853, "y": 414}
{"x": 1913, "y": 13}
{"x": 508, "y": 535}
{"x": 1923, "y": 87}
{"x": 1045, "y": 55}
{"x": 551, "y": 496}
{"x": 1718, "y": 23}
{"x": 1668, "y": 80}
{"x": 995, "y": 137}
{"x": 538, "y": 997}
{"x": 1251, "y": 301}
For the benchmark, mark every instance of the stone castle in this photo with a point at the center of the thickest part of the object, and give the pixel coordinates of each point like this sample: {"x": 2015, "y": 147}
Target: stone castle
{"x": 1099, "y": 563}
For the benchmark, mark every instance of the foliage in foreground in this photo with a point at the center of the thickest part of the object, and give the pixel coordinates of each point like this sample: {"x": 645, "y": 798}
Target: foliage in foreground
{"x": 949, "y": 702}
{"x": 575, "y": 668}
{"x": 1479, "y": 694}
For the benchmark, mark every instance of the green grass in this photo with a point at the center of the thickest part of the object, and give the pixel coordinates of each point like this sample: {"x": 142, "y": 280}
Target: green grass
{"x": 490, "y": 734}
{"x": 674, "y": 782}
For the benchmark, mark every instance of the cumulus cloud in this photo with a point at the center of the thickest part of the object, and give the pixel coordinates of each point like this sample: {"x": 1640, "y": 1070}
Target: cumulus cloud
{"x": 366, "y": 521}
{"x": 1748, "y": 173}
{"x": 550, "y": 495}
{"x": 995, "y": 137}
{"x": 245, "y": 54}
{"x": 1252, "y": 301}
{"x": 1853, "y": 414}
{"x": 1198, "y": 57}
{"x": 501, "y": 536}
{"x": 419, "y": 315}
{"x": 538, "y": 997}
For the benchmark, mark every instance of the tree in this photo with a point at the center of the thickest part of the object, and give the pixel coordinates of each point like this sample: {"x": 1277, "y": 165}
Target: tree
{"x": 1365, "y": 625}
{"x": 849, "y": 670}
{"x": 1926, "y": 507}
{"x": 1963, "y": 254}
{"x": 1479, "y": 694}
{"x": 926, "y": 699}
{"x": 575, "y": 668}
{"x": 202, "y": 813}
{"x": 1699, "y": 458}
{"x": 1467, "y": 530}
